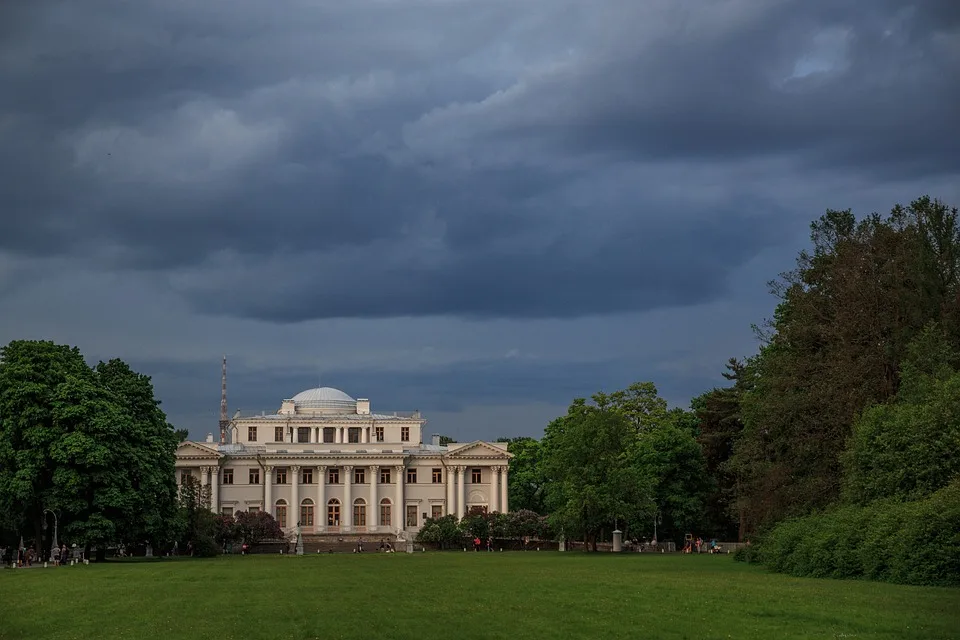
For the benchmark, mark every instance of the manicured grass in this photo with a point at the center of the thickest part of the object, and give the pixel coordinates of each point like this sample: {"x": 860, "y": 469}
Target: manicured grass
{"x": 461, "y": 596}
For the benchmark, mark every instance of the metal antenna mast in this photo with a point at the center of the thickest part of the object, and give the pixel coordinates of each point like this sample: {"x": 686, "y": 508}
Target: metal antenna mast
{"x": 224, "y": 418}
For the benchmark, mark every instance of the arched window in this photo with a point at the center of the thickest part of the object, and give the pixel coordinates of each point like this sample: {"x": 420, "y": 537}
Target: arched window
{"x": 359, "y": 512}
{"x": 333, "y": 513}
{"x": 281, "y": 512}
{"x": 385, "y": 512}
{"x": 306, "y": 512}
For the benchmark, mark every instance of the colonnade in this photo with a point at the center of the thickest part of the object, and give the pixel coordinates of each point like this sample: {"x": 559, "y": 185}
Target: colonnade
{"x": 455, "y": 503}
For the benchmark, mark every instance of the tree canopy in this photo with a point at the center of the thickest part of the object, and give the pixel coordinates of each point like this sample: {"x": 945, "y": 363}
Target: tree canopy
{"x": 90, "y": 444}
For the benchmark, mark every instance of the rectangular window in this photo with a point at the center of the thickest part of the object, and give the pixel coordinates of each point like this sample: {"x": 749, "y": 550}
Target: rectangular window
{"x": 333, "y": 476}
{"x": 306, "y": 476}
{"x": 436, "y": 511}
{"x": 329, "y": 433}
{"x": 227, "y": 511}
{"x": 281, "y": 476}
{"x": 228, "y": 476}
{"x": 411, "y": 476}
{"x": 411, "y": 515}
{"x": 303, "y": 434}
{"x": 184, "y": 475}
{"x": 251, "y": 434}
{"x": 476, "y": 477}
{"x": 385, "y": 475}
{"x": 359, "y": 477}
{"x": 306, "y": 515}
{"x": 254, "y": 476}
{"x": 404, "y": 434}
{"x": 253, "y": 510}
{"x": 379, "y": 433}
{"x": 384, "y": 515}
{"x": 437, "y": 476}
{"x": 282, "y": 515}
{"x": 359, "y": 515}
{"x": 353, "y": 435}
{"x": 278, "y": 434}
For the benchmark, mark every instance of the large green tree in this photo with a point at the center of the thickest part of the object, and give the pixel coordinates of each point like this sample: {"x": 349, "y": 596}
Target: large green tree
{"x": 89, "y": 444}
{"x": 595, "y": 479}
{"x": 526, "y": 478}
{"x": 835, "y": 345}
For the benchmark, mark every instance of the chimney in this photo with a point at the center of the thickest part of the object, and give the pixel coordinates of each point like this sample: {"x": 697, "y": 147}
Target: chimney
{"x": 210, "y": 438}
{"x": 435, "y": 439}
{"x": 363, "y": 407}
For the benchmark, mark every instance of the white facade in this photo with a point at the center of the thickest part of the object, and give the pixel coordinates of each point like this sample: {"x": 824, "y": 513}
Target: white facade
{"x": 326, "y": 461}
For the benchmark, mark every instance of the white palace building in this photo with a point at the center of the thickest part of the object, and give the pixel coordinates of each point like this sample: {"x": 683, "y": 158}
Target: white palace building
{"x": 325, "y": 460}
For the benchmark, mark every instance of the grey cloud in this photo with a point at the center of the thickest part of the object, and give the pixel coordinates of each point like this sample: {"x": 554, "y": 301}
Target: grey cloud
{"x": 321, "y": 160}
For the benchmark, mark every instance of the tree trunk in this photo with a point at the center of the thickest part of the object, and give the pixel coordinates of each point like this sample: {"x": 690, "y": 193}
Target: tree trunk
{"x": 101, "y": 554}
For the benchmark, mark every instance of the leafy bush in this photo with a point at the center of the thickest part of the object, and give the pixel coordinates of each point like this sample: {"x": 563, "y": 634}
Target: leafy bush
{"x": 445, "y": 532}
{"x": 748, "y": 553}
{"x": 206, "y": 546}
{"x": 904, "y": 542}
{"x": 252, "y": 528}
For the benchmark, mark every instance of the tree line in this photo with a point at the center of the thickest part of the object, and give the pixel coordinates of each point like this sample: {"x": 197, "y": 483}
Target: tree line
{"x": 850, "y": 403}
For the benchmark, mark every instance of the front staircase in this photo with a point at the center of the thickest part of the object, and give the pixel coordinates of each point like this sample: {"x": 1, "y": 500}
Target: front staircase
{"x": 347, "y": 542}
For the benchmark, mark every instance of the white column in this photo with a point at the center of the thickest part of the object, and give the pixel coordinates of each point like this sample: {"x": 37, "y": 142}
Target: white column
{"x": 293, "y": 516}
{"x": 215, "y": 489}
{"x": 399, "y": 510}
{"x": 204, "y": 479}
{"x": 321, "y": 513}
{"x": 346, "y": 519}
{"x": 462, "y": 493}
{"x": 494, "y": 491}
{"x": 504, "y": 486}
{"x": 451, "y": 482}
{"x": 337, "y": 433}
{"x": 373, "y": 511}
{"x": 363, "y": 435}
{"x": 268, "y": 489}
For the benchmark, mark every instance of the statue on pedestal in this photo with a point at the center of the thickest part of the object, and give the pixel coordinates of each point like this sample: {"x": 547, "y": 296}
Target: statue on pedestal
{"x": 299, "y": 541}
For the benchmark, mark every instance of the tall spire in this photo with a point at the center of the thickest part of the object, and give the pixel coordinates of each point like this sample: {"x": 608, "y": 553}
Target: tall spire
{"x": 224, "y": 419}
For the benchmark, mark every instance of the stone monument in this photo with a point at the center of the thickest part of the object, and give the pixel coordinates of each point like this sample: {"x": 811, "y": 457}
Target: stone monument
{"x": 299, "y": 541}
{"x": 617, "y": 541}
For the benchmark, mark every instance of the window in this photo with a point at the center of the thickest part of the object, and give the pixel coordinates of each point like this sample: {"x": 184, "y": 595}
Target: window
{"x": 184, "y": 477}
{"x": 306, "y": 476}
{"x": 227, "y": 511}
{"x": 303, "y": 434}
{"x": 385, "y": 512}
{"x": 281, "y": 476}
{"x": 333, "y": 513}
{"x": 385, "y": 475}
{"x": 353, "y": 434}
{"x": 328, "y": 434}
{"x": 251, "y": 434}
{"x": 379, "y": 433}
{"x": 411, "y": 476}
{"x": 281, "y": 511}
{"x": 476, "y": 477}
{"x": 333, "y": 476}
{"x": 437, "y": 476}
{"x": 436, "y": 511}
{"x": 404, "y": 434}
{"x": 306, "y": 513}
{"x": 411, "y": 515}
{"x": 359, "y": 477}
{"x": 254, "y": 476}
{"x": 359, "y": 513}
{"x": 278, "y": 434}
{"x": 253, "y": 510}
{"x": 228, "y": 476}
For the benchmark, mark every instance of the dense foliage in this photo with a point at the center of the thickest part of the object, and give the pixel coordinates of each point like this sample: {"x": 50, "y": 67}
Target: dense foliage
{"x": 88, "y": 444}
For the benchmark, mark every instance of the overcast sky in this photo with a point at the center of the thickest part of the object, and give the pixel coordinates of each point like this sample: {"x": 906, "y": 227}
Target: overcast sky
{"x": 476, "y": 208}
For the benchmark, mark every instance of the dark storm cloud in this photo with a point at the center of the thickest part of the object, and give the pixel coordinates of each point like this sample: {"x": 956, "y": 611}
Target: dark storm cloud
{"x": 302, "y": 160}
{"x": 508, "y": 381}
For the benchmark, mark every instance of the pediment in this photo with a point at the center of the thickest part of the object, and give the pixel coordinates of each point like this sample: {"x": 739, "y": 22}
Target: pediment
{"x": 478, "y": 449}
{"x": 194, "y": 450}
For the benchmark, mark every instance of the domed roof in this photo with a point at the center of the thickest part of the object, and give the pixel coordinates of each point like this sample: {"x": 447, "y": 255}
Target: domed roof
{"x": 324, "y": 398}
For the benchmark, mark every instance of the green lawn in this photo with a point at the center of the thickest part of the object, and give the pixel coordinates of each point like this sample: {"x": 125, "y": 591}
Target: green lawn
{"x": 460, "y": 596}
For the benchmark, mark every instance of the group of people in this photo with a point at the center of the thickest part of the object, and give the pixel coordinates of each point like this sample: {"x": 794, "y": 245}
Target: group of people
{"x": 26, "y": 556}
{"x": 698, "y": 546}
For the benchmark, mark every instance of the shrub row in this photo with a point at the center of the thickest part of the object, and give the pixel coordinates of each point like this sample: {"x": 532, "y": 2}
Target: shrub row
{"x": 903, "y": 542}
